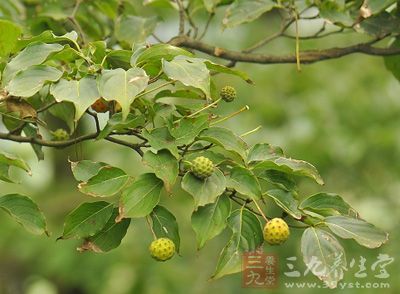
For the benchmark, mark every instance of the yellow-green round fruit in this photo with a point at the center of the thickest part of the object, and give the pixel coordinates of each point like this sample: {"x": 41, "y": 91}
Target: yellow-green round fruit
{"x": 162, "y": 249}
{"x": 228, "y": 93}
{"x": 202, "y": 167}
{"x": 60, "y": 135}
{"x": 276, "y": 231}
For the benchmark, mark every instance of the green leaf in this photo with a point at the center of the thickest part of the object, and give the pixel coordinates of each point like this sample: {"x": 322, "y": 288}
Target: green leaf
{"x": 380, "y": 25}
{"x": 116, "y": 123}
{"x": 190, "y": 72}
{"x": 140, "y": 198}
{"x": 247, "y": 236}
{"x": 226, "y": 139}
{"x": 204, "y": 191}
{"x": 263, "y": 151}
{"x": 227, "y": 70}
{"x": 109, "y": 237}
{"x": 323, "y": 255}
{"x": 326, "y": 204}
{"x": 85, "y": 169}
{"x": 164, "y": 165}
{"x": 160, "y": 138}
{"x": 119, "y": 59}
{"x": 187, "y": 128}
{"x": 285, "y": 200}
{"x": 34, "y": 54}
{"x": 392, "y": 63}
{"x": 290, "y": 166}
{"x": 13, "y": 9}
{"x": 11, "y": 160}
{"x": 134, "y": 29}
{"x": 184, "y": 99}
{"x": 376, "y": 6}
{"x": 9, "y": 33}
{"x": 164, "y": 225}
{"x": 107, "y": 182}
{"x": 156, "y": 53}
{"x": 335, "y": 13}
{"x": 87, "y": 220}
{"x": 31, "y": 130}
{"x": 362, "y": 232}
{"x": 243, "y": 181}
{"x": 48, "y": 37}
{"x": 281, "y": 179}
{"x": 82, "y": 93}
{"x": 242, "y": 11}
{"x": 210, "y": 220}
{"x": 161, "y": 4}
{"x": 210, "y": 5}
{"x": 28, "y": 82}
{"x": 7, "y": 160}
{"x": 4, "y": 173}
{"x": 66, "y": 112}
{"x": 122, "y": 86}
{"x": 25, "y": 212}
{"x": 108, "y": 7}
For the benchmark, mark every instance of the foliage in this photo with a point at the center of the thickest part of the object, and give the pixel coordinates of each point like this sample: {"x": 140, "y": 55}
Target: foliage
{"x": 163, "y": 98}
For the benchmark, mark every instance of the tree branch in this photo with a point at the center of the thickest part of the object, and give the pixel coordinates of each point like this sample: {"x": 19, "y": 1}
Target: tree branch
{"x": 67, "y": 143}
{"x": 310, "y": 56}
{"x": 181, "y": 17}
{"x": 41, "y": 142}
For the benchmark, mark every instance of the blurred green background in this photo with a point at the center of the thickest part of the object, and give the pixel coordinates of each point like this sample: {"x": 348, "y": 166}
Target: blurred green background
{"x": 343, "y": 116}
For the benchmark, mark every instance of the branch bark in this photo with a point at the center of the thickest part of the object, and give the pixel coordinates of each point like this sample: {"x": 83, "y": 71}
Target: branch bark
{"x": 306, "y": 57}
{"x": 67, "y": 143}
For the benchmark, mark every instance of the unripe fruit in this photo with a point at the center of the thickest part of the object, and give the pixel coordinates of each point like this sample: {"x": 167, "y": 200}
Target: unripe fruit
{"x": 276, "y": 231}
{"x": 100, "y": 105}
{"x": 60, "y": 135}
{"x": 202, "y": 167}
{"x": 228, "y": 93}
{"x": 162, "y": 249}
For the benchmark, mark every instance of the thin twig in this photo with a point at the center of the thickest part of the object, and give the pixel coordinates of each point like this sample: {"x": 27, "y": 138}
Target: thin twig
{"x": 297, "y": 41}
{"x": 96, "y": 119}
{"x": 73, "y": 20}
{"x": 181, "y": 17}
{"x": 133, "y": 146}
{"x": 244, "y": 205}
{"x": 44, "y": 108}
{"x": 211, "y": 16}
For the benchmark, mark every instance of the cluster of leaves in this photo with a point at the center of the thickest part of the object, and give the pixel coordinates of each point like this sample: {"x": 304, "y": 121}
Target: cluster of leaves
{"x": 167, "y": 100}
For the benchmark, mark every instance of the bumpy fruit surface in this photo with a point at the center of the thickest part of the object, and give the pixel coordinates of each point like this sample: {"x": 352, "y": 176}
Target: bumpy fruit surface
{"x": 228, "y": 93}
{"x": 60, "y": 135}
{"x": 276, "y": 231}
{"x": 100, "y": 105}
{"x": 162, "y": 249}
{"x": 202, "y": 167}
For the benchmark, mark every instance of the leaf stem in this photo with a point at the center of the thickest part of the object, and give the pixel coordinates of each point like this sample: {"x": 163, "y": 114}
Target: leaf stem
{"x": 151, "y": 228}
{"x": 251, "y": 132}
{"x": 155, "y": 89}
{"x": 205, "y": 108}
{"x": 245, "y": 108}
{"x": 260, "y": 210}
